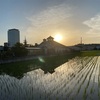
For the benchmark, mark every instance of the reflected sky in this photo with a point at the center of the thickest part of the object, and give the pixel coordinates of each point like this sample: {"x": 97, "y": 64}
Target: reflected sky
{"x": 63, "y": 84}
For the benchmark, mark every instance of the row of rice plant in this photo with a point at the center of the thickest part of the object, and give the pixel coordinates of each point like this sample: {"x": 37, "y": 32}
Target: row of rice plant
{"x": 77, "y": 79}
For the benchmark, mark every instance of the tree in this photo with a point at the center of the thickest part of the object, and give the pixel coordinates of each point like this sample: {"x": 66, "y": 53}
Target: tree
{"x": 19, "y": 50}
{"x": 25, "y": 42}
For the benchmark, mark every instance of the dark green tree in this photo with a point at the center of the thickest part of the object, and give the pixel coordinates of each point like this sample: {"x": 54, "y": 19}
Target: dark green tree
{"x": 19, "y": 50}
{"x": 25, "y": 42}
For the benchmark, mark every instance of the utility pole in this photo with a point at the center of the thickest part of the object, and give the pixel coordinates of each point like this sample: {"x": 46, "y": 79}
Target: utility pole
{"x": 81, "y": 43}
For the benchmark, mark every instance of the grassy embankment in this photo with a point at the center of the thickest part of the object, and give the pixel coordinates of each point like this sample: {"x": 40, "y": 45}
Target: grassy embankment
{"x": 90, "y": 53}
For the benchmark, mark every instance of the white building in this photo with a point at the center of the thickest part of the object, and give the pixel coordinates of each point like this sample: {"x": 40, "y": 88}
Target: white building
{"x": 13, "y": 37}
{"x": 34, "y": 51}
{"x": 52, "y": 47}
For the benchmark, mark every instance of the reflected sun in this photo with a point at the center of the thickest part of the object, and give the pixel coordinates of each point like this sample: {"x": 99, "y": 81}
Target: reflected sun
{"x": 58, "y": 37}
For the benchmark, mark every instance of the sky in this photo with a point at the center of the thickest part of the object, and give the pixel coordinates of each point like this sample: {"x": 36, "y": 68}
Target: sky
{"x": 39, "y": 19}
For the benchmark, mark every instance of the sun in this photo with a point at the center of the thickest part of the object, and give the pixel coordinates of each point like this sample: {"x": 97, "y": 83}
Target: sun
{"x": 58, "y": 37}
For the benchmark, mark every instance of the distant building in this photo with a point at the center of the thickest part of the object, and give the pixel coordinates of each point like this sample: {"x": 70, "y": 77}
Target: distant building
{"x": 13, "y": 37}
{"x": 34, "y": 51}
{"x": 75, "y": 48}
{"x": 48, "y": 47}
{"x": 52, "y": 47}
{"x": 1, "y": 48}
{"x": 85, "y": 47}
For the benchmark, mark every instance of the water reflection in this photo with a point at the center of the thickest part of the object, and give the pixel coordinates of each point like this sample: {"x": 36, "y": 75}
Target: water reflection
{"x": 35, "y": 85}
{"x": 47, "y": 64}
{"x": 63, "y": 84}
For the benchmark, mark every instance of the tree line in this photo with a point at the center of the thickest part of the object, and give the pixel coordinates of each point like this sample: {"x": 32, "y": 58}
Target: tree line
{"x": 18, "y": 50}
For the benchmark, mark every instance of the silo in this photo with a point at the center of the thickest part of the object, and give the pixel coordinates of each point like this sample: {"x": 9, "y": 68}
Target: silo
{"x": 13, "y": 37}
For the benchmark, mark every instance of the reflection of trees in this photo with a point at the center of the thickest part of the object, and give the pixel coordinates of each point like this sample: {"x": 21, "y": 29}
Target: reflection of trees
{"x": 19, "y": 68}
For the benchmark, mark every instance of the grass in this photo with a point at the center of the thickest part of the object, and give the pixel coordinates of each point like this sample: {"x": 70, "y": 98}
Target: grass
{"x": 90, "y": 53}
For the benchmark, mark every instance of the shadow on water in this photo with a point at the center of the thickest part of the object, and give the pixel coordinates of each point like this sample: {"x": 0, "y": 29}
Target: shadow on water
{"x": 47, "y": 64}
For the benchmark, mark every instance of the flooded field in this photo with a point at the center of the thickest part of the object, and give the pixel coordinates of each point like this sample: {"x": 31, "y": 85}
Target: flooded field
{"x": 77, "y": 79}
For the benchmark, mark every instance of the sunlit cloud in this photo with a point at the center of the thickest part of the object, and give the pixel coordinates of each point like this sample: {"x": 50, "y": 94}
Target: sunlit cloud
{"x": 93, "y": 34}
{"x": 94, "y": 24}
{"x": 47, "y": 22}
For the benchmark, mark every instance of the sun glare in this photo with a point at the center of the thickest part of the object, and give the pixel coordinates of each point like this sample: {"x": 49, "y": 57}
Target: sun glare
{"x": 58, "y": 37}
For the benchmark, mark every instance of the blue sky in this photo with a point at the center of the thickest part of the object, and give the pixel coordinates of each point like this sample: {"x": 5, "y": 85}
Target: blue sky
{"x": 38, "y": 19}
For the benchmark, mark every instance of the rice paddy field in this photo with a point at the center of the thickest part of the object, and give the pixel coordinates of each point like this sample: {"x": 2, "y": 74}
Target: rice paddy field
{"x": 76, "y": 79}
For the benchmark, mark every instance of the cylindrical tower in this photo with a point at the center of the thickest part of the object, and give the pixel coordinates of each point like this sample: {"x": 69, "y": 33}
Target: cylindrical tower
{"x": 13, "y": 37}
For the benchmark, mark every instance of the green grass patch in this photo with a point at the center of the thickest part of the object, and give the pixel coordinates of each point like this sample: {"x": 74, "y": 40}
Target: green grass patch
{"x": 90, "y": 53}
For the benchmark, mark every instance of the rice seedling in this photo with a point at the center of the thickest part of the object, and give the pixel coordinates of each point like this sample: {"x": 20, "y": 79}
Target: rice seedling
{"x": 77, "y": 79}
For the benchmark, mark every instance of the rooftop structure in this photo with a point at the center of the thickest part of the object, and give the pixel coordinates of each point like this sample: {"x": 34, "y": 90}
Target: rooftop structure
{"x": 52, "y": 47}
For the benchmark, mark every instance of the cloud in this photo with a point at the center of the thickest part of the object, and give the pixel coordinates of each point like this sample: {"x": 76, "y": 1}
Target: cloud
{"x": 93, "y": 34}
{"x": 45, "y": 22}
{"x": 52, "y": 15}
{"x": 94, "y": 24}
